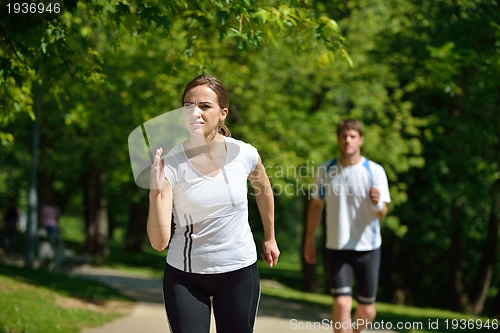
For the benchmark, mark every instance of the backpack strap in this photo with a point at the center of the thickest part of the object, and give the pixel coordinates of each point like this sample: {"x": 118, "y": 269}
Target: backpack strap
{"x": 366, "y": 164}
{"x": 322, "y": 188}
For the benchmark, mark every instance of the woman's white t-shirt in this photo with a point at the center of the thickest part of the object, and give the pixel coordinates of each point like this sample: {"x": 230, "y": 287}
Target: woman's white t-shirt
{"x": 212, "y": 233}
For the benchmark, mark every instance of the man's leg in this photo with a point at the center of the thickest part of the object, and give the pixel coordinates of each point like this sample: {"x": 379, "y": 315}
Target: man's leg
{"x": 341, "y": 315}
{"x": 366, "y": 272}
{"x": 365, "y": 313}
{"x": 340, "y": 274}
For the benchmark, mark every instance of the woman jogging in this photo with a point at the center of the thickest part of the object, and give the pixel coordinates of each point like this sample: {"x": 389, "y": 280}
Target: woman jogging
{"x": 203, "y": 182}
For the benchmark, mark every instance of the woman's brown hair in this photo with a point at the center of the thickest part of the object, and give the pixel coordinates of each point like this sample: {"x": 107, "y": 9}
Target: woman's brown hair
{"x": 216, "y": 85}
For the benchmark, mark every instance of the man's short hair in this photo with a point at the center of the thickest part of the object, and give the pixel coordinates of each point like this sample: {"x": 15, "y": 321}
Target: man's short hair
{"x": 350, "y": 124}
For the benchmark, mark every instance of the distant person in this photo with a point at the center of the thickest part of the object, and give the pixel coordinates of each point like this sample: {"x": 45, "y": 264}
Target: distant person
{"x": 10, "y": 219}
{"x": 355, "y": 192}
{"x": 50, "y": 250}
{"x": 203, "y": 182}
{"x": 49, "y": 218}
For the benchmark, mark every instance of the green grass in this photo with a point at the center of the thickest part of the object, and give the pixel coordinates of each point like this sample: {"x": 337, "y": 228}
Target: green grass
{"x": 149, "y": 263}
{"x": 39, "y": 301}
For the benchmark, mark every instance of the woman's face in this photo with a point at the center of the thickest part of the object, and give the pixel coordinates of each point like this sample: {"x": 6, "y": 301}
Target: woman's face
{"x": 202, "y": 112}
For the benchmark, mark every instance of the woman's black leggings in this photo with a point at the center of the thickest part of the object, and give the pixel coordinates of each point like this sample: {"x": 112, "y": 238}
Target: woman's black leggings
{"x": 235, "y": 300}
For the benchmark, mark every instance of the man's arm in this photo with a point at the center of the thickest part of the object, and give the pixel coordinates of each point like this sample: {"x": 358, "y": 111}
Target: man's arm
{"x": 314, "y": 213}
{"x": 381, "y": 215}
{"x": 379, "y": 208}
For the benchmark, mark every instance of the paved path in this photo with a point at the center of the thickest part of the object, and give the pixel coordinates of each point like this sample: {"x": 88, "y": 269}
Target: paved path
{"x": 275, "y": 315}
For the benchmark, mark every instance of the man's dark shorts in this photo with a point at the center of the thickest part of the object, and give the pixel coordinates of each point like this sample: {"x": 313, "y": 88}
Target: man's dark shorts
{"x": 364, "y": 266}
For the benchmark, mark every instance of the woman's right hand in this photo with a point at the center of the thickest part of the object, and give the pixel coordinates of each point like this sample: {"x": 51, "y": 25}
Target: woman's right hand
{"x": 157, "y": 174}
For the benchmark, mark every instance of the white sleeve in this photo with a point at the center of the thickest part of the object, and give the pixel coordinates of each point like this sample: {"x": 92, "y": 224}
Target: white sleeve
{"x": 169, "y": 171}
{"x": 380, "y": 182}
{"x": 252, "y": 157}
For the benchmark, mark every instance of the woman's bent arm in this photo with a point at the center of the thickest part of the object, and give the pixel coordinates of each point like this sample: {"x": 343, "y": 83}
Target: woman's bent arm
{"x": 265, "y": 202}
{"x": 159, "y": 218}
{"x": 160, "y": 205}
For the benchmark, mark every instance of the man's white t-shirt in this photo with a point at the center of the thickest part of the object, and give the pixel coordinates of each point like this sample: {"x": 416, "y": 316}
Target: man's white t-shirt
{"x": 350, "y": 223}
{"x": 212, "y": 233}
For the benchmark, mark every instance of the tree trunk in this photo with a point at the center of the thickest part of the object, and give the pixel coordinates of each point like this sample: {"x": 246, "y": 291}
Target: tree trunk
{"x": 44, "y": 189}
{"x": 473, "y": 302}
{"x": 458, "y": 298}
{"x": 309, "y": 276}
{"x": 495, "y": 307}
{"x": 96, "y": 214}
{"x": 482, "y": 279}
{"x": 395, "y": 284}
{"x": 136, "y": 229}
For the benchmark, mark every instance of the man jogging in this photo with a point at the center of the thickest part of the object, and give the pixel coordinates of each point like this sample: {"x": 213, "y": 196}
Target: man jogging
{"x": 355, "y": 192}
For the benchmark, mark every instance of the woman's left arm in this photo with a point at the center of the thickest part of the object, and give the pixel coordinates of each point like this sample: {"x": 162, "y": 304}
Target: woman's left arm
{"x": 265, "y": 202}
